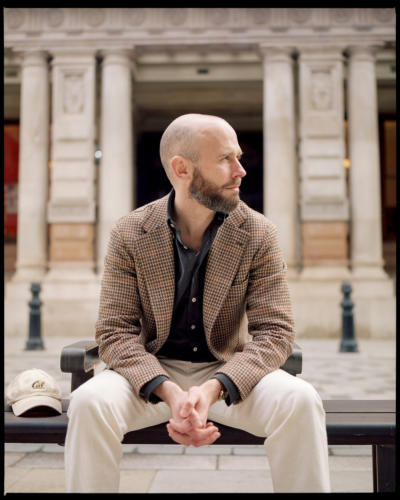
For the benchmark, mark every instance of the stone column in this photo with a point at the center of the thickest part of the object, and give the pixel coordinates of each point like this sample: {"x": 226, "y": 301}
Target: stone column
{"x": 280, "y": 178}
{"x": 116, "y": 177}
{"x": 33, "y": 168}
{"x": 366, "y": 229}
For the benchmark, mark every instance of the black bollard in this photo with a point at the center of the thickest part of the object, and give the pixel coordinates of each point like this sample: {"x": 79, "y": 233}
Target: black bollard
{"x": 348, "y": 343}
{"x": 34, "y": 342}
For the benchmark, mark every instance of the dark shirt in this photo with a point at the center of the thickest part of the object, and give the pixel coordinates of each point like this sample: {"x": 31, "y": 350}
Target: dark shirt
{"x": 187, "y": 340}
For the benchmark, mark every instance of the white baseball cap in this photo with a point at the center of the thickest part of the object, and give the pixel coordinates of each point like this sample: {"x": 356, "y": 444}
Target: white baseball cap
{"x": 33, "y": 388}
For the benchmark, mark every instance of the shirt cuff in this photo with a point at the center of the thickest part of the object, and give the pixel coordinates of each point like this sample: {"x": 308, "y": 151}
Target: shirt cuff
{"x": 147, "y": 389}
{"x": 233, "y": 393}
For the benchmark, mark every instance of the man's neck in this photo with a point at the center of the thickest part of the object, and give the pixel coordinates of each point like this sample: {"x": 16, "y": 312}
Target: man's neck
{"x": 192, "y": 219}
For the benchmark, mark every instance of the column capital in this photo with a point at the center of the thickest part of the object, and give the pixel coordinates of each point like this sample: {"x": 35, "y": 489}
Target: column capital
{"x": 34, "y": 57}
{"x": 275, "y": 53}
{"x": 117, "y": 55}
{"x": 362, "y": 52}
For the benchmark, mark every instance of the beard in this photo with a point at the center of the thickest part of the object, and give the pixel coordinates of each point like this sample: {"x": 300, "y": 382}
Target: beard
{"x": 211, "y": 196}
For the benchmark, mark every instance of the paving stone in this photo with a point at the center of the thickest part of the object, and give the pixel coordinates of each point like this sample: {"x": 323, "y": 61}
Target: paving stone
{"x": 243, "y": 462}
{"x": 136, "y": 481}
{"x": 52, "y": 448}
{"x": 214, "y": 449}
{"x": 351, "y": 450}
{"x": 129, "y": 448}
{"x": 12, "y": 475}
{"x": 351, "y": 481}
{"x": 351, "y": 463}
{"x": 42, "y": 460}
{"x": 22, "y": 447}
{"x": 166, "y": 449}
{"x": 256, "y": 449}
{"x": 195, "y": 481}
{"x": 12, "y": 458}
{"x": 40, "y": 481}
{"x": 182, "y": 462}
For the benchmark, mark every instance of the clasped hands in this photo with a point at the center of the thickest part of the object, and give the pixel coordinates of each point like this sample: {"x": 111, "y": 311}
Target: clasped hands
{"x": 189, "y": 411}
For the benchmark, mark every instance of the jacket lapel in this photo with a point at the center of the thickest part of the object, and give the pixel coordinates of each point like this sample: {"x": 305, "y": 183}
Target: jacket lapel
{"x": 155, "y": 259}
{"x": 223, "y": 262}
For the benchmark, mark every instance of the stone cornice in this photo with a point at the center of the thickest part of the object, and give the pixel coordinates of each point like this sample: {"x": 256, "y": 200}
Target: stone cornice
{"x": 188, "y": 27}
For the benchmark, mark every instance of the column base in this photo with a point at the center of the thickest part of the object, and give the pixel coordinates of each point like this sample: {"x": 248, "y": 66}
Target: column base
{"x": 17, "y": 294}
{"x": 317, "y": 296}
{"x": 70, "y": 301}
{"x": 70, "y": 298}
{"x": 28, "y": 274}
{"x": 369, "y": 272}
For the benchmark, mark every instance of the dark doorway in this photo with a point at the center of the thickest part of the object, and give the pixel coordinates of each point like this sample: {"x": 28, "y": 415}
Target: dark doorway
{"x": 152, "y": 183}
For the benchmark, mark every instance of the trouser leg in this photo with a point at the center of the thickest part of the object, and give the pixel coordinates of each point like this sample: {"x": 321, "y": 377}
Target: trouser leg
{"x": 101, "y": 411}
{"x": 289, "y": 412}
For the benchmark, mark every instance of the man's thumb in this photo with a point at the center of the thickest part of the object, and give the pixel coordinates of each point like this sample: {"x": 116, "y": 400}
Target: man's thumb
{"x": 186, "y": 409}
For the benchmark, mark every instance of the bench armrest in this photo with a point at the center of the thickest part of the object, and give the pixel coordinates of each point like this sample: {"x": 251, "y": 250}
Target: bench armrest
{"x": 81, "y": 358}
{"x": 294, "y": 363}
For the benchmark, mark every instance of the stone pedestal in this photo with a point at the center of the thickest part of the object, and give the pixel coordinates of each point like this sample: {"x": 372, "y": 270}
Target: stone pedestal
{"x": 71, "y": 287}
{"x": 280, "y": 179}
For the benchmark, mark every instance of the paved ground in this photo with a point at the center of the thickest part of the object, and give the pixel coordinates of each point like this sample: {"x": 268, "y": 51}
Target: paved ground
{"x": 368, "y": 374}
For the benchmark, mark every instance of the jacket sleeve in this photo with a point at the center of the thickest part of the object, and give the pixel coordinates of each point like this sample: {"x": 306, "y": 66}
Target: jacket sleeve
{"x": 270, "y": 321}
{"x": 118, "y": 328}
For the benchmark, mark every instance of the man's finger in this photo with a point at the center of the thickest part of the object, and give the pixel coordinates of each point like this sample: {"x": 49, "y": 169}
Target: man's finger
{"x": 210, "y": 440}
{"x": 178, "y": 437}
{"x": 205, "y": 433}
{"x": 182, "y": 426}
{"x": 190, "y": 439}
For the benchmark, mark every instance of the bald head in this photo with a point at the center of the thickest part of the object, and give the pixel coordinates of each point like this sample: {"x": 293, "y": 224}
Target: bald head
{"x": 181, "y": 137}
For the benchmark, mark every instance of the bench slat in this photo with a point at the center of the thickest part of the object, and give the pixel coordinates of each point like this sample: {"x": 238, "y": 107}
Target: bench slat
{"x": 342, "y": 428}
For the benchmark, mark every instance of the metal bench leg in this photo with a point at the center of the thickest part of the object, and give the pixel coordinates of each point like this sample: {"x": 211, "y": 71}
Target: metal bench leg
{"x": 384, "y": 465}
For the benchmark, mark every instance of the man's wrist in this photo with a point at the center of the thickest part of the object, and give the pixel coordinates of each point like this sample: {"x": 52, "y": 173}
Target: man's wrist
{"x": 167, "y": 391}
{"x": 213, "y": 389}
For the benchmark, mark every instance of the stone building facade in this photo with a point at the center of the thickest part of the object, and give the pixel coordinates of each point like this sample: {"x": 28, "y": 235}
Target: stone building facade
{"x": 92, "y": 90}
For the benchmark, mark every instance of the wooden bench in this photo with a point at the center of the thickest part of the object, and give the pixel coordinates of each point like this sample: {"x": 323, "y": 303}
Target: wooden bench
{"x": 349, "y": 422}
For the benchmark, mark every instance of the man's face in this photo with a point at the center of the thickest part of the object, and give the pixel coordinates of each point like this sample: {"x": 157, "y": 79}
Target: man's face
{"x": 217, "y": 175}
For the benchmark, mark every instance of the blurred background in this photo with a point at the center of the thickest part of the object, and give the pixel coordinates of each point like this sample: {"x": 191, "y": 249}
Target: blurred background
{"x": 311, "y": 94}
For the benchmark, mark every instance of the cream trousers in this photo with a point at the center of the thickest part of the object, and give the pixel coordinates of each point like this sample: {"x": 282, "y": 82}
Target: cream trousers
{"x": 285, "y": 409}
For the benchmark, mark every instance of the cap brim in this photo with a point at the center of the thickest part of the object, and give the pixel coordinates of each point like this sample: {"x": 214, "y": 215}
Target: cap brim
{"x": 26, "y": 404}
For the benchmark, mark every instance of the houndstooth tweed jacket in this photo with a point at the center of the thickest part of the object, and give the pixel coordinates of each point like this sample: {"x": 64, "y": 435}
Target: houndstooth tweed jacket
{"x": 245, "y": 286}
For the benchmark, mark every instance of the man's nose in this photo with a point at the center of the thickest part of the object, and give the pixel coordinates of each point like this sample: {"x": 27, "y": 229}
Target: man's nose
{"x": 239, "y": 171}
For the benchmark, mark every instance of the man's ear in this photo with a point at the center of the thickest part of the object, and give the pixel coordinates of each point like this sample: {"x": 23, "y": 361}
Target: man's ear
{"x": 180, "y": 167}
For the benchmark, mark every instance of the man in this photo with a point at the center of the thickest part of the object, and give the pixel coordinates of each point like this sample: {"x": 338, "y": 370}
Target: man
{"x": 182, "y": 276}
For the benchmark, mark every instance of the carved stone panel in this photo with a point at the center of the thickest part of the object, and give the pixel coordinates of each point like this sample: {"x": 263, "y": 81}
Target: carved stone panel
{"x": 73, "y": 98}
{"x": 73, "y": 139}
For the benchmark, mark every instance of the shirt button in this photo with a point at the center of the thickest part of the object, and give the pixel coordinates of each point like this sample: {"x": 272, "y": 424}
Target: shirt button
{"x": 194, "y": 299}
{"x": 194, "y": 349}
{"x": 192, "y": 327}
{"x": 185, "y": 247}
